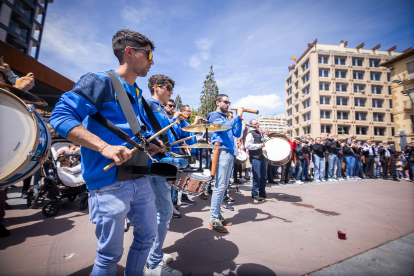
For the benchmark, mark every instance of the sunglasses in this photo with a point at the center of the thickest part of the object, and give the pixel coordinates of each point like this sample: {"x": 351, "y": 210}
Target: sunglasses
{"x": 169, "y": 87}
{"x": 149, "y": 52}
{"x": 226, "y": 102}
{"x": 171, "y": 105}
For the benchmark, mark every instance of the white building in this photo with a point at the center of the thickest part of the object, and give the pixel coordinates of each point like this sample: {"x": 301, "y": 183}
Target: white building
{"x": 276, "y": 123}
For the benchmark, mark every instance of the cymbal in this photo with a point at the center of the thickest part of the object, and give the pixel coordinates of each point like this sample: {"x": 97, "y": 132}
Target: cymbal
{"x": 24, "y": 95}
{"x": 199, "y": 146}
{"x": 203, "y": 127}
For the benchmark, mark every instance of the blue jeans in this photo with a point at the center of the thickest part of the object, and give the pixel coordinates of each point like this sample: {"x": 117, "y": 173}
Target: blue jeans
{"x": 164, "y": 207}
{"x": 412, "y": 168}
{"x": 339, "y": 167}
{"x": 259, "y": 177}
{"x": 319, "y": 163}
{"x": 332, "y": 160}
{"x": 305, "y": 169}
{"x": 223, "y": 171}
{"x": 378, "y": 170}
{"x": 400, "y": 174}
{"x": 350, "y": 165}
{"x": 298, "y": 168}
{"x": 358, "y": 169}
{"x": 108, "y": 208}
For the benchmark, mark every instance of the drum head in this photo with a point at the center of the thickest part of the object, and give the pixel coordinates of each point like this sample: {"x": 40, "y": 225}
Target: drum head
{"x": 276, "y": 149}
{"x": 18, "y": 134}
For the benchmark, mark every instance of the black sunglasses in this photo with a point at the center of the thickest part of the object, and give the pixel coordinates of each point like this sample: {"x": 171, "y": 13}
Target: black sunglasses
{"x": 226, "y": 102}
{"x": 169, "y": 87}
{"x": 149, "y": 52}
{"x": 171, "y": 105}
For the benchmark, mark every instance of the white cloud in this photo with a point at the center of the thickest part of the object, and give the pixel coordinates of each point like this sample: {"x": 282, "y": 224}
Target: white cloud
{"x": 263, "y": 103}
{"x": 203, "y": 52}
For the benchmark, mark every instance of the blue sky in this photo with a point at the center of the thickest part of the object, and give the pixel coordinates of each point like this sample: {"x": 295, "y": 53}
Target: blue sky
{"x": 249, "y": 43}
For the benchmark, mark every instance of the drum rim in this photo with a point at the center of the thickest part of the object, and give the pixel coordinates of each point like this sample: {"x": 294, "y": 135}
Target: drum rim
{"x": 34, "y": 146}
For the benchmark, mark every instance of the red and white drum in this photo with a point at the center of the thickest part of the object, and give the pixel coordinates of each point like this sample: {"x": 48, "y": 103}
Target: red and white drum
{"x": 277, "y": 151}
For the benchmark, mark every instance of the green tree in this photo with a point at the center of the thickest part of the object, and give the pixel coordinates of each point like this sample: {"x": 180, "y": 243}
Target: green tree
{"x": 178, "y": 102}
{"x": 208, "y": 95}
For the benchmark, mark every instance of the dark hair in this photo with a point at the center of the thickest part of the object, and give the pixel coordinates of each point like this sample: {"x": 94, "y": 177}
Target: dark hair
{"x": 158, "y": 79}
{"x": 124, "y": 38}
{"x": 219, "y": 97}
{"x": 182, "y": 108}
{"x": 4, "y": 76}
{"x": 171, "y": 100}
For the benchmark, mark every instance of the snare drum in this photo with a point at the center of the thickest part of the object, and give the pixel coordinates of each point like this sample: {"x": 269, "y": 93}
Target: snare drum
{"x": 194, "y": 184}
{"x": 241, "y": 157}
{"x": 25, "y": 139}
{"x": 277, "y": 151}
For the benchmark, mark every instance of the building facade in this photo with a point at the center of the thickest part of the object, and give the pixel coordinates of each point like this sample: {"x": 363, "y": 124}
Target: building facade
{"x": 402, "y": 79}
{"x": 339, "y": 90}
{"x": 275, "y": 123}
{"x": 21, "y": 24}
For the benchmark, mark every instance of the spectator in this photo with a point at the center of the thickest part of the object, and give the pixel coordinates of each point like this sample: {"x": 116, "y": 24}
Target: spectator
{"x": 319, "y": 160}
{"x": 332, "y": 145}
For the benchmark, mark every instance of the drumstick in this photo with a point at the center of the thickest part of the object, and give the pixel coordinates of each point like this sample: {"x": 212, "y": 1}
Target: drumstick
{"x": 215, "y": 158}
{"x": 184, "y": 139}
{"x": 149, "y": 139}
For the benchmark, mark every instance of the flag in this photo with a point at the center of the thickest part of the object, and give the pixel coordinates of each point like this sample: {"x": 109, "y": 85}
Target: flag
{"x": 294, "y": 58}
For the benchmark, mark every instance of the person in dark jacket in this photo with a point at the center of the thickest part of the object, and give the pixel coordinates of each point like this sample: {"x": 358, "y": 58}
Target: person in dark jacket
{"x": 350, "y": 160}
{"x": 358, "y": 169}
{"x": 306, "y": 163}
{"x": 386, "y": 155}
{"x": 300, "y": 151}
{"x": 369, "y": 154}
{"x": 319, "y": 160}
{"x": 409, "y": 149}
{"x": 332, "y": 146}
{"x": 341, "y": 157}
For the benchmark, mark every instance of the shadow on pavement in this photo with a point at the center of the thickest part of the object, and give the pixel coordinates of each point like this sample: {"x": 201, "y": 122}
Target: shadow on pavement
{"x": 88, "y": 271}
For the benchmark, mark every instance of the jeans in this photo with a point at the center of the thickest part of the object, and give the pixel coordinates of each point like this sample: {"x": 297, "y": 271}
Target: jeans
{"x": 223, "y": 171}
{"x": 339, "y": 167}
{"x": 259, "y": 177}
{"x": 319, "y": 163}
{"x": 350, "y": 165}
{"x": 332, "y": 160}
{"x": 298, "y": 168}
{"x": 412, "y": 168}
{"x": 378, "y": 170}
{"x": 164, "y": 207}
{"x": 305, "y": 169}
{"x": 358, "y": 170}
{"x": 108, "y": 208}
{"x": 400, "y": 174}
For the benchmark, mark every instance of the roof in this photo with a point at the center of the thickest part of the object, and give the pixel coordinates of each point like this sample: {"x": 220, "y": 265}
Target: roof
{"x": 398, "y": 58}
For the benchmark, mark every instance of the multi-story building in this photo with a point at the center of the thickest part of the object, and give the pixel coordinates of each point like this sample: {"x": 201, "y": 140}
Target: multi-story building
{"x": 276, "y": 123}
{"x": 339, "y": 90}
{"x": 21, "y": 24}
{"x": 402, "y": 79}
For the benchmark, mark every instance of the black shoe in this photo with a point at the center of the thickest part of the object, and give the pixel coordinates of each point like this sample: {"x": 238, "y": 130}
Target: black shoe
{"x": 283, "y": 182}
{"x": 237, "y": 181}
{"x": 396, "y": 179}
{"x": 3, "y": 231}
{"x": 257, "y": 199}
{"x": 8, "y": 206}
{"x": 175, "y": 203}
{"x": 308, "y": 180}
{"x": 272, "y": 182}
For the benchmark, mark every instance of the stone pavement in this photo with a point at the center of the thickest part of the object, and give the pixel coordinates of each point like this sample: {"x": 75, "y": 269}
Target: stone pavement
{"x": 295, "y": 234}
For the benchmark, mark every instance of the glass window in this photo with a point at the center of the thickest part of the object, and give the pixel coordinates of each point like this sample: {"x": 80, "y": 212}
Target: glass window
{"x": 290, "y": 112}
{"x": 290, "y": 101}
{"x": 342, "y": 115}
{"x": 306, "y": 91}
{"x": 392, "y": 118}
{"x": 379, "y": 131}
{"x": 340, "y": 61}
{"x": 361, "y": 130}
{"x": 376, "y": 76}
{"x": 305, "y": 78}
{"x": 389, "y": 90}
{"x": 290, "y": 91}
{"x": 376, "y": 103}
{"x": 325, "y": 129}
{"x": 306, "y": 66}
{"x": 323, "y": 73}
{"x": 376, "y": 89}
{"x": 392, "y": 131}
{"x": 357, "y": 62}
{"x": 325, "y": 114}
{"x": 374, "y": 63}
{"x": 378, "y": 117}
{"x": 289, "y": 81}
{"x": 306, "y": 103}
{"x": 359, "y": 102}
{"x": 323, "y": 60}
{"x": 410, "y": 69}
{"x": 289, "y": 123}
{"x": 323, "y": 86}
{"x": 297, "y": 120}
{"x": 341, "y": 87}
{"x": 361, "y": 116}
{"x": 388, "y": 77}
{"x": 359, "y": 88}
{"x": 307, "y": 130}
{"x": 343, "y": 130}
{"x": 341, "y": 101}
{"x": 390, "y": 103}
{"x": 340, "y": 74}
{"x": 33, "y": 51}
{"x": 358, "y": 75}
{"x": 307, "y": 116}
{"x": 325, "y": 100}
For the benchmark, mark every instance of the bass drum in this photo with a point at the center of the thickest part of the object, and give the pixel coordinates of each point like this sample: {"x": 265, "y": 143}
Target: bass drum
{"x": 241, "y": 157}
{"x": 277, "y": 151}
{"x": 25, "y": 139}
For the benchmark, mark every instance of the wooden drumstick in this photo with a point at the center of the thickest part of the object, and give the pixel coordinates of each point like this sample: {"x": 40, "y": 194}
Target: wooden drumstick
{"x": 149, "y": 139}
{"x": 184, "y": 139}
{"x": 215, "y": 159}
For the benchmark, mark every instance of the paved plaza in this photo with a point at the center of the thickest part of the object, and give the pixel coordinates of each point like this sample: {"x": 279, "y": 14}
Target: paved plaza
{"x": 295, "y": 234}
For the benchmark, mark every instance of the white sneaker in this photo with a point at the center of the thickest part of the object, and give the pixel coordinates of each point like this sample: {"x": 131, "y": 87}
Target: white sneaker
{"x": 317, "y": 180}
{"x": 167, "y": 258}
{"x": 335, "y": 179}
{"x": 299, "y": 182}
{"x": 358, "y": 178}
{"x": 340, "y": 179}
{"x": 348, "y": 178}
{"x": 162, "y": 270}
{"x": 323, "y": 180}
{"x": 330, "y": 179}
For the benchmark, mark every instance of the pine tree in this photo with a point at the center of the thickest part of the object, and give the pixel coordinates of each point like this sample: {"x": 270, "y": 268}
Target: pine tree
{"x": 178, "y": 102}
{"x": 208, "y": 95}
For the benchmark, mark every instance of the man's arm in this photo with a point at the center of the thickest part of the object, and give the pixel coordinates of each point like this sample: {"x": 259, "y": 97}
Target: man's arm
{"x": 250, "y": 143}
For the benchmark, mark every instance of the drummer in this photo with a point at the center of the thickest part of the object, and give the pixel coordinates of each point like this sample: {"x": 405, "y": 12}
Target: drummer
{"x": 226, "y": 157}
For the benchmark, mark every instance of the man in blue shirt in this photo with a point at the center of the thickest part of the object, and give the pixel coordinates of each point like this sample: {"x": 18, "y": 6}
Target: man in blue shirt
{"x": 110, "y": 200}
{"x": 226, "y": 158}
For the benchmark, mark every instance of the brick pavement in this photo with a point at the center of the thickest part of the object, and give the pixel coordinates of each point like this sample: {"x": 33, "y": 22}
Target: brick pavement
{"x": 293, "y": 235}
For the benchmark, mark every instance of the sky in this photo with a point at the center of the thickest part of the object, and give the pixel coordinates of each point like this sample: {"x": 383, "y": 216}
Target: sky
{"x": 249, "y": 43}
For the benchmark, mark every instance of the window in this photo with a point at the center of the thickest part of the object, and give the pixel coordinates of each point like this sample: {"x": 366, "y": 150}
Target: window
{"x": 325, "y": 114}
{"x": 392, "y": 131}
{"x": 341, "y": 101}
{"x": 297, "y": 108}
{"x": 361, "y": 130}
{"x": 361, "y": 116}
{"x": 296, "y": 74}
{"x": 297, "y": 132}
{"x": 307, "y": 116}
{"x": 290, "y": 112}
{"x": 323, "y": 60}
{"x": 358, "y": 75}
{"x": 341, "y": 87}
{"x": 379, "y": 131}
{"x": 340, "y": 61}
{"x": 290, "y": 133}
{"x": 323, "y": 86}
{"x": 39, "y": 18}
{"x": 289, "y": 81}
{"x": 376, "y": 103}
{"x": 289, "y": 123}
{"x": 374, "y": 63}
{"x": 297, "y": 120}
{"x": 305, "y": 66}
{"x": 388, "y": 77}
{"x": 307, "y": 103}
{"x": 376, "y": 89}
{"x": 323, "y": 73}
{"x": 33, "y": 51}
{"x": 307, "y": 90}
{"x": 325, "y": 100}
{"x": 358, "y": 88}
{"x": 390, "y": 103}
{"x": 342, "y": 115}
{"x": 24, "y": 8}
{"x": 307, "y": 130}
{"x": 340, "y": 74}
{"x": 290, "y": 101}
{"x": 392, "y": 118}
{"x": 325, "y": 129}
{"x": 376, "y": 76}
{"x": 289, "y": 91}
{"x": 378, "y": 117}
{"x": 410, "y": 69}
{"x": 36, "y": 34}
{"x": 359, "y": 102}
{"x": 343, "y": 130}
{"x": 305, "y": 78}
{"x": 357, "y": 62}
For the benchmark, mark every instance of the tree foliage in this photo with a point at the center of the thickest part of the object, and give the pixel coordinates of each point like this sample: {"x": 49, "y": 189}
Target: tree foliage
{"x": 208, "y": 95}
{"x": 178, "y": 102}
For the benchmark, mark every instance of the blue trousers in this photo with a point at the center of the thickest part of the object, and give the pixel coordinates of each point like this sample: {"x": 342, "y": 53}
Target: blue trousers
{"x": 259, "y": 177}
{"x": 350, "y": 165}
{"x": 319, "y": 163}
